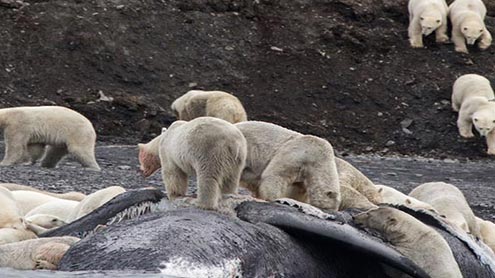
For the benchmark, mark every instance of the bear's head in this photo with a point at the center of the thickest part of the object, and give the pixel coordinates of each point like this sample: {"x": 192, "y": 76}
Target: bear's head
{"x": 484, "y": 120}
{"x": 45, "y": 220}
{"x": 325, "y": 199}
{"x": 149, "y": 162}
{"x": 385, "y": 220}
{"x": 430, "y": 22}
{"x": 472, "y": 29}
{"x": 419, "y": 205}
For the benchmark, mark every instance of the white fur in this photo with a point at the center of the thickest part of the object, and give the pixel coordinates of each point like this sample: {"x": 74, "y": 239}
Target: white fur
{"x": 449, "y": 201}
{"x": 28, "y": 129}
{"x": 40, "y": 253}
{"x": 395, "y": 197}
{"x": 10, "y": 235}
{"x": 212, "y": 149}
{"x": 284, "y": 163}
{"x": 28, "y": 200}
{"x": 60, "y": 208}
{"x": 487, "y": 229}
{"x": 197, "y": 103}
{"x": 10, "y": 214}
{"x": 414, "y": 239}
{"x": 74, "y": 196}
{"x": 45, "y": 221}
{"x": 467, "y": 17}
{"x": 425, "y": 17}
{"x": 472, "y": 96}
{"x": 352, "y": 177}
{"x": 94, "y": 201}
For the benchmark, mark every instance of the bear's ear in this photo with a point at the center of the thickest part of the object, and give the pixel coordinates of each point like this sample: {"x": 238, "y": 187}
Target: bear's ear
{"x": 140, "y": 146}
{"x": 164, "y": 129}
{"x": 392, "y": 221}
{"x": 408, "y": 201}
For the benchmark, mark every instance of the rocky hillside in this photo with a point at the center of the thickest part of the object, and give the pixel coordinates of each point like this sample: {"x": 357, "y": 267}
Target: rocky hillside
{"x": 341, "y": 69}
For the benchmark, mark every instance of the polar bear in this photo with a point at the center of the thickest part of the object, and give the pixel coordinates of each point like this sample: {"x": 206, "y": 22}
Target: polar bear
{"x": 415, "y": 240}
{"x": 93, "y": 201}
{"x": 426, "y": 16}
{"x": 395, "y": 197}
{"x": 467, "y": 17}
{"x": 62, "y": 130}
{"x": 487, "y": 229}
{"x": 473, "y": 97}
{"x": 212, "y": 149}
{"x": 72, "y": 195}
{"x": 28, "y": 200}
{"x": 470, "y": 85}
{"x": 218, "y": 104}
{"x": 352, "y": 177}
{"x": 351, "y": 198}
{"x": 40, "y": 253}
{"x": 284, "y": 163}
{"x": 449, "y": 201}
{"x": 60, "y": 208}
{"x": 9, "y": 235}
{"x": 10, "y": 215}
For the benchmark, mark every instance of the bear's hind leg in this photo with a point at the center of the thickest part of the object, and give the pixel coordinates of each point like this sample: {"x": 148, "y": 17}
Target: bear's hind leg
{"x": 53, "y": 155}
{"x": 16, "y": 150}
{"x": 208, "y": 191}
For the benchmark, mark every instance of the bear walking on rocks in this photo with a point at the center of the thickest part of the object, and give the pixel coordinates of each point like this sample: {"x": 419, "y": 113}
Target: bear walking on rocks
{"x": 473, "y": 98}
{"x": 27, "y": 130}
{"x": 284, "y": 163}
{"x": 467, "y": 17}
{"x": 425, "y": 17}
{"x": 218, "y": 104}
{"x": 449, "y": 201}
{"x": 415, "y": 240}
{"x": 212, "y": 149}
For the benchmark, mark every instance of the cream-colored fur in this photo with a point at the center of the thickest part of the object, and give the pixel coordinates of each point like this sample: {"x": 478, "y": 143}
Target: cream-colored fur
{"x": 212, "y": 149}
{"x": 40, "y": 253}
{"x": 352, "y": 177}
{"x": 62, "y": 130}
{"x": 395, "y": 197}
{"x": 74, "y": 196}
{"x": 284, "y": 163}
{"x": 46, "y": 221}
{"x": 28, "y": 200}
{"x": 60, "y": 208}
{"x": 94, "y": 201}
{"x": 449, "y": 201}
{"x": 415, "y": 240}
{"x": 9, "y": 235}
{"x": 218, "y": 104}
{"x": 351, "y": 198}
{"x": 467, "y": 17}
{"x": 425, "y": 17}
{"x": 487, "y": 229}
{"x": 473, "y": 97}
{"x": 10, "y": 214}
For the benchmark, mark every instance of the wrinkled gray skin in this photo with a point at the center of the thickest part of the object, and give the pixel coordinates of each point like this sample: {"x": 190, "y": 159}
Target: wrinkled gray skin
{"x": 264, "y": 239}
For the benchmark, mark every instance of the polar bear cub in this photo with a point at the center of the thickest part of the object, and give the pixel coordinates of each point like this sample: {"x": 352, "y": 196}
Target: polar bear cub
{"x": 415, "y": 240}
{"x": 212, "y": 149}
{"x": 284, "y": 163}
{"x": 449, "y": 201}
{"x": 28, "y": 129}
{"x": 426, "y": 16}
{"x": 467, "y": 17}
{"x": 395, "y": 197}
{"x": 472, "y": 97}
{"x": 197, "y": 103}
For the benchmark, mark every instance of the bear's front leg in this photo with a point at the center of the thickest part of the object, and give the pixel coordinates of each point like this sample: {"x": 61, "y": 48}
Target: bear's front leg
{"x": 485, "y": 40}
{"x": 175, "y": 182}
{"x": 490, "y": 142}
{"x": 459, "y": 41}
{"x": 465, "y": 125}
{"x": 441, "y": 33}
{"x": 415, "y": 35}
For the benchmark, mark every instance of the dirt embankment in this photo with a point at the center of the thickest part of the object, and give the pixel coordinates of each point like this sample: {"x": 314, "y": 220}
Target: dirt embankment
{"x": 340, "y": 69}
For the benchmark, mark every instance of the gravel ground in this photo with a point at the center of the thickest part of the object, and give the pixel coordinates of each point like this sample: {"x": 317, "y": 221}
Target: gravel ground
{"x": 120, "y": 167}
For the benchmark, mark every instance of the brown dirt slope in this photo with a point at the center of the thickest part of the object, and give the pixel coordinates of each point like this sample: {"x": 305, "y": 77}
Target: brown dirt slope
{"x": 341, "y": 69}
